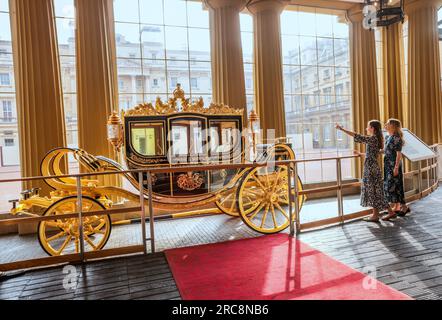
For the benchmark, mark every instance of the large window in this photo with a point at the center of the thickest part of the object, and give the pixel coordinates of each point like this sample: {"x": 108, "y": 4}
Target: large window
{"x": 65, "y": 22}
{"x": 246, "y": 21}
{"x": 9, "y": 148}
{"x": 162, "y": 43}
{"x": 317, "y": 88}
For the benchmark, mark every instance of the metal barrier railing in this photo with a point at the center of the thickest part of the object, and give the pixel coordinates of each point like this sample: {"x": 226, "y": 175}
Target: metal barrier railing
{"x": 294, "y": 193}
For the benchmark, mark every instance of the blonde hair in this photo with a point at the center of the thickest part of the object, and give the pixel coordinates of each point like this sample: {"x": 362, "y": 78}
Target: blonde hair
{"x": 397, "y": 125}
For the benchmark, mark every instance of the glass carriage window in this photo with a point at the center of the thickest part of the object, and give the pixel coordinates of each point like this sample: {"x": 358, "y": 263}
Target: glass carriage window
{"x": 317, "y": 88}
{"x": 224, "y": 136}
{"x": 148, "y": 138}
{"x": 159, "y": 44}
{"x": 187, "y": 137}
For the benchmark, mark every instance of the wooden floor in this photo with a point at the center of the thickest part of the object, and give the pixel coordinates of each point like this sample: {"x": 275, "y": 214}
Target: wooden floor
{"x": 140, "y": 277}
{"x": 405, "y": 254}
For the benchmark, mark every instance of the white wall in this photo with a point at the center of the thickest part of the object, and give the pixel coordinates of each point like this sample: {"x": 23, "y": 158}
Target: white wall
{"x": 11, "y": 156}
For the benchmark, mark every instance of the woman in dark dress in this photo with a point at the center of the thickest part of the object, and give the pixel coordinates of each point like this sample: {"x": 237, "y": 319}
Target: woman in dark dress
{"x": 372, "y": 194}
{"x": 393, "y": 176}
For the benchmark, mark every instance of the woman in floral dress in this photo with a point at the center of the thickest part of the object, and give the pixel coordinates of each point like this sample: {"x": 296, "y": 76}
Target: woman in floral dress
{"x": 393, "y": 176}
{"x": 372, "y": 193}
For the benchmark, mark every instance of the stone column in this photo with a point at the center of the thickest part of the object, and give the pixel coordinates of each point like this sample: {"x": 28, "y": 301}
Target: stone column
{"x": 38, "y": 85}
{"x": 228, "y": 82}
{"x": 424, "y": 74}
{"x": 269, "y": 87}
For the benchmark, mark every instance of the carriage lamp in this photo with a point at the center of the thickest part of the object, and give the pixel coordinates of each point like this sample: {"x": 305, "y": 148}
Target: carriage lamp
{"x": 255, "y": 127}
{"x": 115, "y": 131}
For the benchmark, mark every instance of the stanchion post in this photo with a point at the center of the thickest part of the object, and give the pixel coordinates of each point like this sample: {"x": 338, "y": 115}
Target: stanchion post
{"x": 143, "y": 211}
{"x": 419, "y": 177}
{"x": 339, "y": 191}
{"x": 80, "y": 218}
{"x": 289, "y": 181}
{"x": 297, "y": 215}
{"x": 151, "y": 216}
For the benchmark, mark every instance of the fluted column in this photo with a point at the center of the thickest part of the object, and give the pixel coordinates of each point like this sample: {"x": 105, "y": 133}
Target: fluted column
{"x": 392, "y": 73}
{"x": 365, "y": 95}
{"x": 269, "y": 87}
{"x": 424, "y": 74}
{"x": 38, "y": 84}
{"x": 228, "y": 82}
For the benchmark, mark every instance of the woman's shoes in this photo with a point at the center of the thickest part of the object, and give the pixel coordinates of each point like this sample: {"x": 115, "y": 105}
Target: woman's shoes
{"x": 370, "y": 219}
{"x": 389, "y": 217}
{"x": 404, "y": 213}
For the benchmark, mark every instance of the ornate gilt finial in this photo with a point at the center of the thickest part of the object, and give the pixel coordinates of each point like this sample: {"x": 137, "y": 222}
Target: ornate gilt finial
{"x": 179, "y": 93}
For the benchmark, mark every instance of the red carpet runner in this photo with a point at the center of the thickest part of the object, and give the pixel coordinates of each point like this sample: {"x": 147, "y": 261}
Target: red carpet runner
{"x": 269, "y": 267}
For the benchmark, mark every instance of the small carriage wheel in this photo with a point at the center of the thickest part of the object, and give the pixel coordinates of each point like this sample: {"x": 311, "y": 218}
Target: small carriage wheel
{"x": 58, "y": 237}
{"x": 270, "y": 188}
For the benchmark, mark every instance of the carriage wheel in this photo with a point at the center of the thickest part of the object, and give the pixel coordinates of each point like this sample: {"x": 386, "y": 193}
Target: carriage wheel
{"x": 270, "y": 188}
{"x": 228, "y": 201}
{"x": 61, "y": 236}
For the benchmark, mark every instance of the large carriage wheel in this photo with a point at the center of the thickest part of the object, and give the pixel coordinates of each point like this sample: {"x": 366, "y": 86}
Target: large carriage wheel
{"x": 270, "y": 211}
{"x": 228, "y": 201}
{"x": 61, "y": 236}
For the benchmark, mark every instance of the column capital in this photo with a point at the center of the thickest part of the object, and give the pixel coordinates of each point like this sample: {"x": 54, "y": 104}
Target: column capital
{"x": 256, "y": 6}
{"x": 413, "y": 5}
{"x": 354, "y": 14}
{"x": 238, "y": 5}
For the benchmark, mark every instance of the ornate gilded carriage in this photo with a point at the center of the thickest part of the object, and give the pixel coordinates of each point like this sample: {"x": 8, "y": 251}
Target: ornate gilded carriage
{"x": 166, "y": 135}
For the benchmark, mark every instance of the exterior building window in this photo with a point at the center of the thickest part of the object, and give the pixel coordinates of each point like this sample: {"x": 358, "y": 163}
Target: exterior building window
{"x": 162, "y": 39}
{"x": 7, "y": 111}
{"x": 194, "y": 83}
{"x": 9, "y": 142}
{"x": 5, "y": 79}
{"x": 316, "y": 68}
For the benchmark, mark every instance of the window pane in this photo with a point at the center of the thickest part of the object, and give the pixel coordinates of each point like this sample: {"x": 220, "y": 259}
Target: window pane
{"x": 5, "y": 33}
{"x": 178, "y": 73}
{"x": 290, "y": 22}
{"x": 248, "y": 77}
{"x": 176, "y": 43}
{"x": 4, "y": 5}
{"x": 175, "y": 12}
{"x": 290, "y": 49}
{"x": 66, "y": 36}
{"x": 307, "y": 24}
{"x": 153, "y": 41}
{"x": 155, "y": 71}
{"x": 324, "y": 25}
{"x": 308, "y": 50}
{"x": 128, "y": 101}
{"x": 64, "y": 9}
{"x": 199, "y": 44}
{"x": 128, "y": 72}
{"x": 246, "y": 22}
{"x": 151, "y": 11}
{"x": 201, "y": 78}
{"x": 126, "y": 11}
{"x": 128, "y": 40}
{"x": 247, "y": 46}
{"x": 68, "y": 74}
{"x": 197, "y": 15}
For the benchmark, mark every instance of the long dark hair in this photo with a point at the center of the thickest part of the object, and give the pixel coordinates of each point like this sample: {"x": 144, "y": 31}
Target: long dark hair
{"x": 377, "y": 127}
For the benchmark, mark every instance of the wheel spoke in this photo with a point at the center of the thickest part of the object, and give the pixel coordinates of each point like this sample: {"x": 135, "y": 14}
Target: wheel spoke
{"x": 88, "y": 240}
{"x": 259, "y": 182}
{"x": 233, "y": 202}
{"x": 282, "y": 210}
{"x": 57, "y": 236}
{"x": 272, "y": 208}
{"x": 264, "y": 218}
{"x": 225, "y": 198}
{"x": 65, "y": 243}
{"x": 257, "y": 211}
